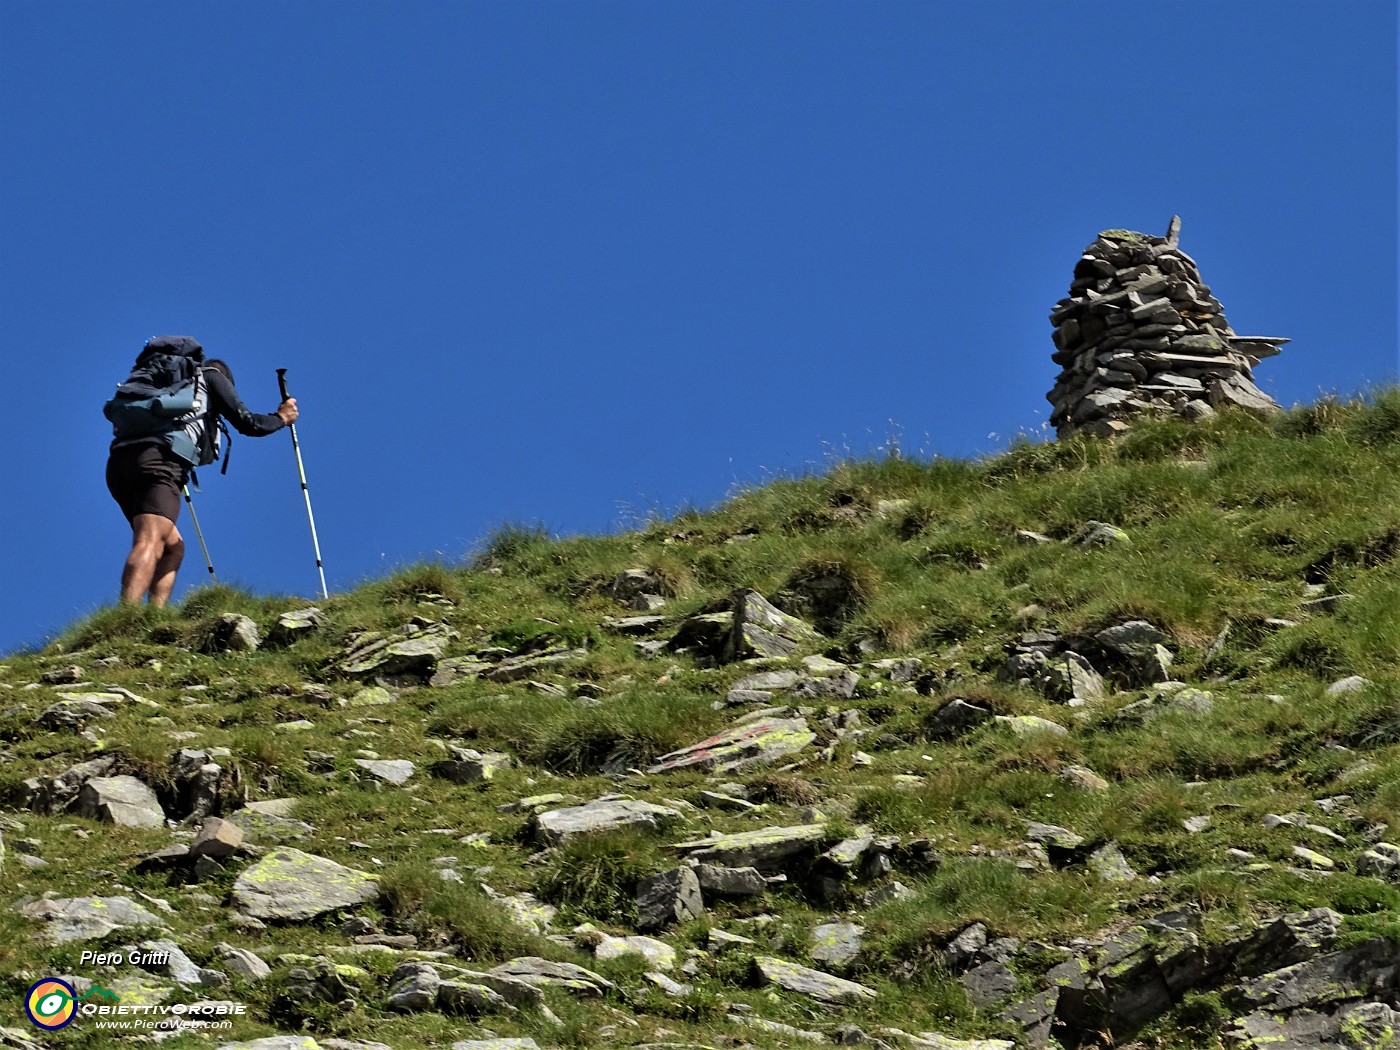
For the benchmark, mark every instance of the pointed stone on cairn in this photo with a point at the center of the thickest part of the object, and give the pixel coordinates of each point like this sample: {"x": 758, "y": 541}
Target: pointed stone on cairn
{"x": 1140, "y": 332}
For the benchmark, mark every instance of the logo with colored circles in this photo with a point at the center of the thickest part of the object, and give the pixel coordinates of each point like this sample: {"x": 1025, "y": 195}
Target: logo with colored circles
{"x": 50, "y": 1003}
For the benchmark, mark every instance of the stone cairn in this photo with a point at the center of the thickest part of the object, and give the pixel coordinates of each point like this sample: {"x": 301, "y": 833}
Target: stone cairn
{"x": 1140, "y": 332}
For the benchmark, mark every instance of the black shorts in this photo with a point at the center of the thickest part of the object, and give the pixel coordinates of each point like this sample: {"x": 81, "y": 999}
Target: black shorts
{"x": 146, "y": 479}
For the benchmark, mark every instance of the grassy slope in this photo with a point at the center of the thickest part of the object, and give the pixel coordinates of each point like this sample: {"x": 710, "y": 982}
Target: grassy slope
{"x": 1228, "y": 522}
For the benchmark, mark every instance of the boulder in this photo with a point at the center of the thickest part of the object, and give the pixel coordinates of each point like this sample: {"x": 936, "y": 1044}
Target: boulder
{"x": 1140, "y": 649}
{"x": 1029, "y": 725}
{"x": 1382, "y": 859}
{"x": 525, "y": 910}
{"x": 1352, "y": 684}
{"x": 1293, "y": 938}
{"x": 54, "y": 796}
{"x": 1366, "y": 971}
{"x": 456, "y": 668}
{"x": 413, "y": 987}
{"x": 242, "y": 962}
{"x": 235, "y": 633}
{"x": 467, "y": 766}
{"x": 197, "y": 779}
{"x": 86, "y": 918}
{"x": 296, "y": 624}
{"x": 542, "y": 973}
{"x": 758, "y": 628}
{"x": 395, "y": 771}
{"x": 68, "y": 675}
{"x": 557, "y": 826}
{"x": 122, "y": 800}
{"x": 632, "y": 584}
{"x": 1109, "y": 864}
{"x": 812, "y": 983}
{"x": 1083, "y": 778}
{"x": 1069, "y": 678}
{"x": 412, "y": 651}
{"x": 522, "y": 668}
{"x": 1100, "y": 534}
{"x": 730, "y": 882}
{"x": 752, "y": 742}
{"x": 957, "y": 716}
{"x": 267, "y": 821}
{"x": 668, "y": 897}
{"x": 836, "y": 943}
{"x": 75, "y": 712}
{"x": 1034, "y": 1017}
{"x": 767, "y": 849}
{"x": 217, "y": 838}
{"x": 988, "y": 983}
{"x": 767, "y": 681}
{"x": 369, "y": 696}
{"x": 658, "y": 954}
{"x": 703, "y": 635}
{"x": 290, "y": 885}
{"x": 456, "y": 997}
{"x": 165, "y": 958}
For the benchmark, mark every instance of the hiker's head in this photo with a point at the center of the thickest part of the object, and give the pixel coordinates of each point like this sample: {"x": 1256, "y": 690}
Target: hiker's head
{"x": 221, "y": 367}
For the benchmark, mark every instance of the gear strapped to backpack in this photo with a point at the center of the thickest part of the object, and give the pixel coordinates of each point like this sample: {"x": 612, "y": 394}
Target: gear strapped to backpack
{"x": 167, "y": 397}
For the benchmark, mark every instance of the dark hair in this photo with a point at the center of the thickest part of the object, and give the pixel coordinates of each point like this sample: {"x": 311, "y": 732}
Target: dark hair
{"x": 221, "y": 367}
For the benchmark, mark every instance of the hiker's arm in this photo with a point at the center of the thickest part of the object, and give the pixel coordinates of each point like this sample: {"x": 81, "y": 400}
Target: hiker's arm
{"x": 227, "y": 404}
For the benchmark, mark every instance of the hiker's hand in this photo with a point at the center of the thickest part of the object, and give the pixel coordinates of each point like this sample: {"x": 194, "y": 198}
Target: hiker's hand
{"x": 288, "y": 411}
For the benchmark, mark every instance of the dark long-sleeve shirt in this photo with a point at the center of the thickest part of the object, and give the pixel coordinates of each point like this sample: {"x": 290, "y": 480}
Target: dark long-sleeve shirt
{"x": 224, "y": 401}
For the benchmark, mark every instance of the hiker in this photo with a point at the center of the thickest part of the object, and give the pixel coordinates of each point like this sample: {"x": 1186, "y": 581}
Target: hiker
{"x": 166, "y": 420}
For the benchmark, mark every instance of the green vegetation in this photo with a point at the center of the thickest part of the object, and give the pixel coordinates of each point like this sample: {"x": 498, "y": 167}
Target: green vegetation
{"x": 1267, "y": 551}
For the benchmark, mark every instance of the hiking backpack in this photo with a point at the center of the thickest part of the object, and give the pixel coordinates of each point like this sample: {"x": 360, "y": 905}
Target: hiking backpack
{"x": 167, "y": 397}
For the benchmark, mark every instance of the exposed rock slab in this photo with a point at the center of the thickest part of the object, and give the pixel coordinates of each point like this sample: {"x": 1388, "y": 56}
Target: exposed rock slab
{"x": 291, "y": 885}
{"x": 658, "y": 954}
{"x": 413, "y": 649}
{"x": 765, "y": 849}
{"x": 217, "y": 838}
{"x": 756, "y": 742}
{"x": 56, "y": 795}
{"x": 86, "y": 918}
{"x": 298, "y": 623}
{"x": 809, "y": 982}
{"x": 395, "y": 771}
{"x": 731, "y": 882}
{"x": 546, "y": 974}
{"x": 836, "y": 943}
{"x": 759, "y": 628}
{"x": 557, "y": 826}
{"x": 74, "y": 713}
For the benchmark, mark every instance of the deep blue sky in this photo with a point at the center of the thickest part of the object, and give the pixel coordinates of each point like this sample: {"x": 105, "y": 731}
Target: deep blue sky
{"x": 578, "y": 263}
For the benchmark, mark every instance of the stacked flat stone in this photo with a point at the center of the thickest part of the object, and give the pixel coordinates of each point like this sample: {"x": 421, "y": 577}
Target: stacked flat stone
{"x": 1140, "y": 332}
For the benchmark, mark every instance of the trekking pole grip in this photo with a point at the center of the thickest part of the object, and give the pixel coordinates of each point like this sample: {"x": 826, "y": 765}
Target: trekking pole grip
{"x": 282, "y": 382}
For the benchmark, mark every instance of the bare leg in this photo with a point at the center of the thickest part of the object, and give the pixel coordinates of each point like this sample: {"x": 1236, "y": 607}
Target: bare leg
{"x": 150, "y": 538}
{"x": 163, "y": 579}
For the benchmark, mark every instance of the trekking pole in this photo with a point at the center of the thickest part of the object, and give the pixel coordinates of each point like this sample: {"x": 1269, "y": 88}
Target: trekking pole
{"x": 306, "y": 494}
{"x": 198, "y": 532}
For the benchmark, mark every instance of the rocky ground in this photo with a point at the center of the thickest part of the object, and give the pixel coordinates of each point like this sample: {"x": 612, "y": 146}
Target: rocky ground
{"x": 355, "y": 834}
